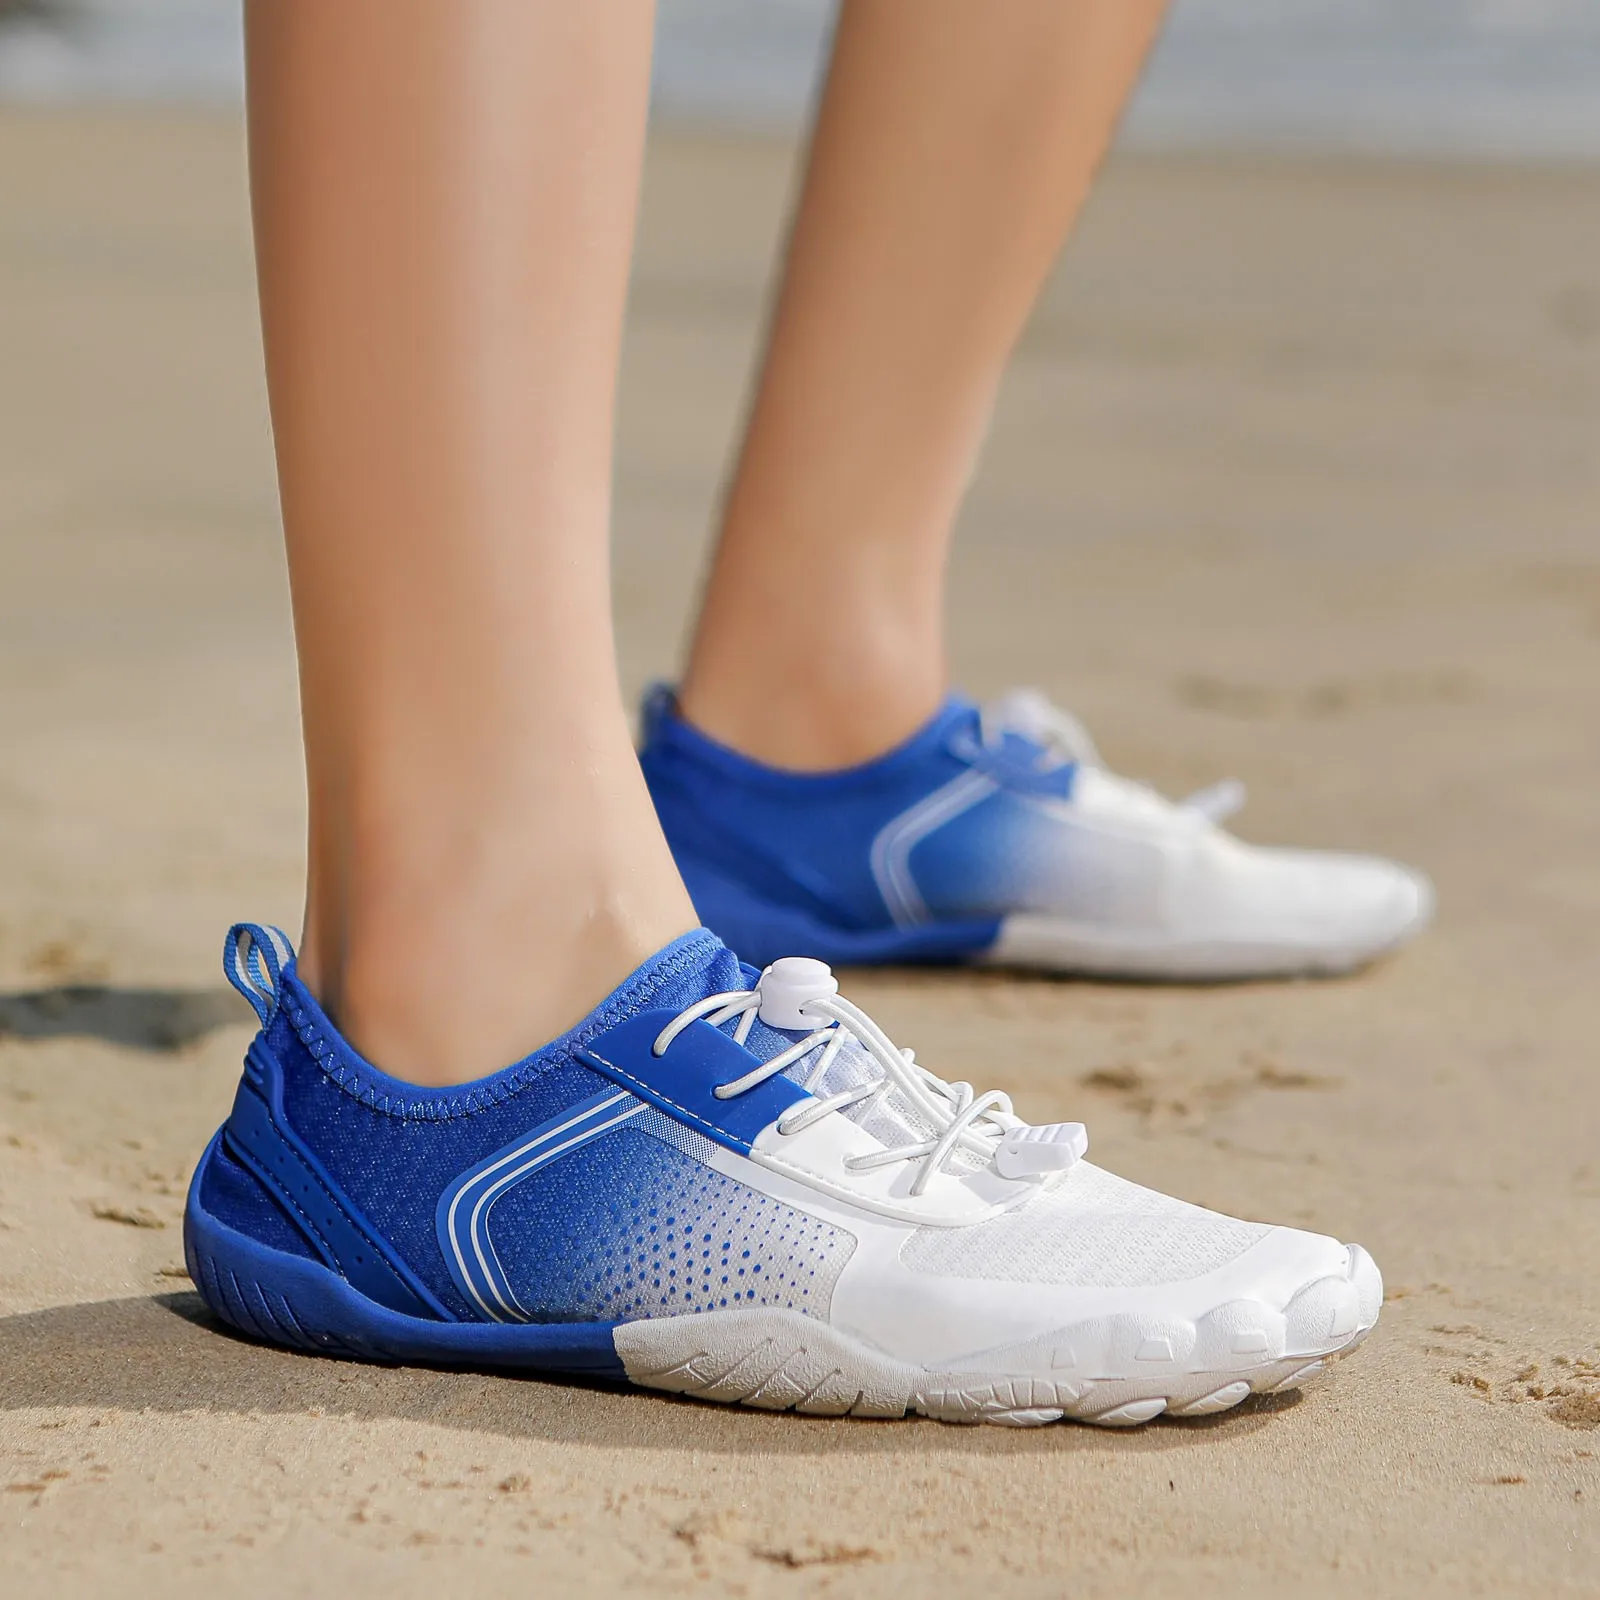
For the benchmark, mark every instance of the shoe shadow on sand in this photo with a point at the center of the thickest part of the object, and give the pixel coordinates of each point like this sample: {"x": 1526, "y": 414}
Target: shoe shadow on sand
{"x": 141, "y": 1019}
{"x": 167, "y": 1353}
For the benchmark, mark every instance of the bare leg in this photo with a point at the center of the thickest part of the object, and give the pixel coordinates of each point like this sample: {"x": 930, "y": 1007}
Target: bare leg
{"x": 954, "y": 145}
{"x": 444, "y": 200}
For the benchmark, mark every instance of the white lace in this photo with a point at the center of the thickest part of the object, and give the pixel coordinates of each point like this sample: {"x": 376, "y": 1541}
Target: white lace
{"x": 1066, "y": 741}
{"x": 974, "y": 1123}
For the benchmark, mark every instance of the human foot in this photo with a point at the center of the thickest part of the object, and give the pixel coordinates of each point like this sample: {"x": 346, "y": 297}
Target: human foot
{"x": 995, "y": 835}
{"x": 733, "y": 1186}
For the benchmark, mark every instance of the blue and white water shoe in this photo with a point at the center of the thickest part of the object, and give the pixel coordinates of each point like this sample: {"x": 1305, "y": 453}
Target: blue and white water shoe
{"x": 996, "y": 835}
{"x": 732, "y": 1185}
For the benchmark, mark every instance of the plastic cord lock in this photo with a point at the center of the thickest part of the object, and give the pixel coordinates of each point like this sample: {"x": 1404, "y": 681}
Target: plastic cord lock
{"x": 1033, "y": 1151}
{"x": 788, "y": 986}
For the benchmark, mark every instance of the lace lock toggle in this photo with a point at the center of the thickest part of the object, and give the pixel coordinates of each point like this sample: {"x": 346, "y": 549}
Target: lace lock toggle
{"x": 1030, "y": 1152}
{"x": 788, "y": 986}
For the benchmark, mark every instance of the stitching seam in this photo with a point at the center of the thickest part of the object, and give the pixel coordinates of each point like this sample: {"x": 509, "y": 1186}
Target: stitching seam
{"x": 264, "y": 1173}
{"x": 328, "y": 1056}
{"x": 372, "y": 1246}
{"x": 653, "y": 1093}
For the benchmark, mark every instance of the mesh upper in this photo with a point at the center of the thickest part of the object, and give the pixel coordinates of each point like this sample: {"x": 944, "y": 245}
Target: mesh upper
{"x": 1094, "y": 1230}
{"x": 631, "y": 1227}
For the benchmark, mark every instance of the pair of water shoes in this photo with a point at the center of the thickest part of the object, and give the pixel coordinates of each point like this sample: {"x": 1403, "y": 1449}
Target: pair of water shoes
{"x": 727, "y": 1182}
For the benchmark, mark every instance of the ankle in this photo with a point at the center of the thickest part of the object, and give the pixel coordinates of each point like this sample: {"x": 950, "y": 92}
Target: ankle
{"x": 804, "y": 719}
{"x": 446, "y": 992}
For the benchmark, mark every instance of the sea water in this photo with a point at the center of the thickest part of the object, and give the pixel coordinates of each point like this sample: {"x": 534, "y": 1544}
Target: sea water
{"x": 1518, "y": 79}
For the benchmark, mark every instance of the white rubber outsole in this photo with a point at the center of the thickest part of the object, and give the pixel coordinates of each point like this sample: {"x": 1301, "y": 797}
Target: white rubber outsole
{"x": 1115, "y": 1371}
{"x": 1031, "y": 941}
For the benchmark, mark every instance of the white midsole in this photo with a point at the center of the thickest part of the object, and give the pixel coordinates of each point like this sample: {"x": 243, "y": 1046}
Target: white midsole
{"x": 1056, "y": 944}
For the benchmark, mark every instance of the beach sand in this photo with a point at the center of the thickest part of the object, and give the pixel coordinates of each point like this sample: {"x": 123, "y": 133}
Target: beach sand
{"x": 1296, "y": 477}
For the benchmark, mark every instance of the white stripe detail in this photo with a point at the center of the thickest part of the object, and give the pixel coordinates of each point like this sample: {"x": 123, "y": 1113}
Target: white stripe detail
{"x": 891, "y": 849}
{"x": 505, "y": 1181}
{"x": 582, "y": 1122}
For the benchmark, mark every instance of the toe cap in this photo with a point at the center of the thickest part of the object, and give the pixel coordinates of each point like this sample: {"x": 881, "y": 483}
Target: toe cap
{"x": 1336, "y": 910}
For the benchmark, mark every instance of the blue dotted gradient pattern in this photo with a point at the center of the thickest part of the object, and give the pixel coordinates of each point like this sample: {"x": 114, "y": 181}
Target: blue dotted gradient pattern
{"x": 631, "y": 1227}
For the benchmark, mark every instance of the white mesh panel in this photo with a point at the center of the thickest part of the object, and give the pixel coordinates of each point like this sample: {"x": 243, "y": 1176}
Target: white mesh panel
{"x": 1094, "y": 1231}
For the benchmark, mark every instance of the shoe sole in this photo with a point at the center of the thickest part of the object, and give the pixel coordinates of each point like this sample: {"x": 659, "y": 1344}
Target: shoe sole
{"x": 1113, "y": 1371}
{"x": 1031, "y": 942}
{"x": 783, "y": 1361}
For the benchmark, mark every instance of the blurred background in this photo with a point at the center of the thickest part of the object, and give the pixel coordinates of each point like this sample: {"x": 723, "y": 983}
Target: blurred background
{"x": 1296, "y": 475}
{"x": 1516, "y": 78}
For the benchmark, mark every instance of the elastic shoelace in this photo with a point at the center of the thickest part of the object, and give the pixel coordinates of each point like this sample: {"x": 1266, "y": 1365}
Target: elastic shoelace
{"x": 969, "y": 1122}
{"x": 1032, "y": 715}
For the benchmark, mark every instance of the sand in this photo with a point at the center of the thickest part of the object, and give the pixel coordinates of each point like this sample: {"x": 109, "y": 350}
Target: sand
{"x": 1296, "y": 477}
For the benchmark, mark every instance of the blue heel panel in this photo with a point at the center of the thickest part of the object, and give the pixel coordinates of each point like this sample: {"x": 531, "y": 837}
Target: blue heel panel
{"x": 800, "y": 842}
{"x": 237, "y": 1198}
{"x": 285, "y": 1299}
{"x": 696, "y": 833}
{"x": 763, "y": 930}
{"x": 258, "y": 1137}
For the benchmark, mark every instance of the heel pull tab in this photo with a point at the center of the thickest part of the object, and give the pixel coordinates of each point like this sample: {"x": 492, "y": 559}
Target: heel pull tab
{"x": 659, "y": 703}
{"x": 253, "y": 959}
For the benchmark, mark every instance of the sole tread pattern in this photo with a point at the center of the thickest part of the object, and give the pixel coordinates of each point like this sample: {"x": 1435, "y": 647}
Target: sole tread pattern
{"x": 785, "y": 1360}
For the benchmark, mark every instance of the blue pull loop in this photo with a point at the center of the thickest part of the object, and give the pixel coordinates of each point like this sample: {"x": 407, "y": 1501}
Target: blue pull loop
{"x": 659, "y": 701}
{"x": 253, "y": 959}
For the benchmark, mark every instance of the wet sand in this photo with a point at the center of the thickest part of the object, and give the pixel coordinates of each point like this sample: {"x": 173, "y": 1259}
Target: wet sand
{"x": 1296, "y": 477}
